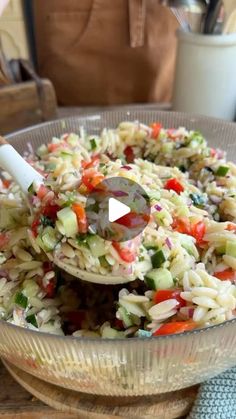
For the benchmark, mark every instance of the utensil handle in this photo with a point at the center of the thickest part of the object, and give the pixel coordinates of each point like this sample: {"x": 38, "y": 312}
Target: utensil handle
{"x": 21, "y": 171}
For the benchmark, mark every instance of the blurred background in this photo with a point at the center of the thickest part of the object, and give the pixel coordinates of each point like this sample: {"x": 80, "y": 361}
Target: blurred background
{"x": 57, "y": 54}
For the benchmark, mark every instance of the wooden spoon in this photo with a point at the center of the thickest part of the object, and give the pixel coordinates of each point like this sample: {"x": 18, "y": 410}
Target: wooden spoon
{"x": 24, "y": 175}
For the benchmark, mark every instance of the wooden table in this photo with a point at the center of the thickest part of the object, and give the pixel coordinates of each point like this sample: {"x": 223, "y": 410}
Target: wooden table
{"x": 17, "y": 403}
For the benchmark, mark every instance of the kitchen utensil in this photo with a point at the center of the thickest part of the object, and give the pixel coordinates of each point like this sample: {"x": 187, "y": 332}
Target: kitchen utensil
{"x": 181, "y": 17}
{"x": 230, "y": 16}
{"x": 192, "y": 12}
{"x": 124, "y": 367}
{"x": 205, "y": 80}
{"x": 24, "y": 174}
{"x": 213, "y": 11}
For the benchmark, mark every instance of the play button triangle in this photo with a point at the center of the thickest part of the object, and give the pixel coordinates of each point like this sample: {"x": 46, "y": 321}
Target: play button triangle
{"x": 116, "y": 209}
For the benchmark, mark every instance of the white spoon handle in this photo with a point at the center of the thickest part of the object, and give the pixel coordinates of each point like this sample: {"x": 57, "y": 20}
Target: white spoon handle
{"x": 21, "y": 171}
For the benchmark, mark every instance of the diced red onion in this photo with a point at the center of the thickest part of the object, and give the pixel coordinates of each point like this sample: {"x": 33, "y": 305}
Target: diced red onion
{"x": 119, "y": 193}
{"x": 169, "y": 243}
{"x": 158, "y": 207}
{"x": 126, "y": 167}
{"x": 3, "y": 274}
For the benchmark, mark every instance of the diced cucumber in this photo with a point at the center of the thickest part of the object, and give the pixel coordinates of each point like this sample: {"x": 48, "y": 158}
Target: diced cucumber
{"x": 159, "y": 279}
{"x": 182, "y": 211}
{"x": 160, "y": 216}
{"x": 154, "y": 195}
{"x": 32, "y": 320}
{"x": 51, "y": 166}
{"x": 6, "y": 220}
{"x": 220, "y": 250}
{"x": 42, "y": 150}
{"x": 68, "y": 221}
{"x": 21, "y": 300}
{"x": 158, "y": 259}
{"x": 222, "y": 171}
{"x": 125, "y": 316}
{"x": 110, "y": 333}
{"x": 55, "y": 140}
{"x": 72, "y": 139}
{"x": 103, "y": 262}
{"x": 150, "y": 246}
{"x": 131, "y": 308}
{"x": 49, "y": 238}
{"x": 231, "y": 248}
{"x": 65, "y": 155}
{"x": 31, "y": 188}
{"x": 187, "y": 243}
{"x": 40, "y": 242}
{"x": 96, "y": 245}
{"x": 31, "y": 288}
{"x": 167, "y": 147}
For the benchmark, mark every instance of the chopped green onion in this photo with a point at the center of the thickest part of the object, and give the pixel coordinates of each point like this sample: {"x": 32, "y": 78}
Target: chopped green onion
{"x": 21, "y": 300}
{"x": 32, "y": 320}
{"x": 222, "y": 171}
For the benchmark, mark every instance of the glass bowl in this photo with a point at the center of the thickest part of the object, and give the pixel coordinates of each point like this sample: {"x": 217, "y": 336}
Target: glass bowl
{"x": 127, "y": 367}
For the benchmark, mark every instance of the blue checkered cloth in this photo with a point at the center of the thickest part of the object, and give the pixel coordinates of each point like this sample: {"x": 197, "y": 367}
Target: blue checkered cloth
{"x": 216, "y": 398}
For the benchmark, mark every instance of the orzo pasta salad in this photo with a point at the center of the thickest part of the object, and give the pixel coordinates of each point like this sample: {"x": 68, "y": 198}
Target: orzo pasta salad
{"x": 182, "y": 267}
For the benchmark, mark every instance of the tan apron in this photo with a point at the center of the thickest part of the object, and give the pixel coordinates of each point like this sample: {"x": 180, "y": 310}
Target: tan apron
{"x": 99, "y": 52}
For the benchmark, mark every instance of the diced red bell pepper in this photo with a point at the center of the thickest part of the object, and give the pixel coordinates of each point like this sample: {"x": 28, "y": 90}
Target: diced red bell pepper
{"x": 91, "y": 178}
{"x": 51, "y": 211}
{"x": 182, "y": 225}
{"x": 125, "y": 254}
{"x": 94, "y": 162}
{"x": 50, "y": 288}
{"x": 213, "y": 152}
{"x": 174, "y": 185}
{"x": 4, "y": 239}
{"x": 198, "y": 231}
{"x": 129, "y": 154}
{"x": 34, "y": 226}
{"x": 42, "y": 191}
{"x": 227, "y": 274}
{"x": 6, "y": 183}
{"x": 231, "y": 227}
{"x": 156, "y": 129}
{"x": 175, "y": 327}
{"x": 81, "y": 217}
{"x": 53, "y": 147}
{"x": 163, "y": 295}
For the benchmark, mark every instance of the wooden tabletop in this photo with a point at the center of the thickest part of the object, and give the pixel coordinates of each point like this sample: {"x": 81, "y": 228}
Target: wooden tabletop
{"x": 17, "y": 403}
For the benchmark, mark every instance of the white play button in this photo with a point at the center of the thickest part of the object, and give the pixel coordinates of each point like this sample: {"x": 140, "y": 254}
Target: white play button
{"x": 116, "y": 209}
